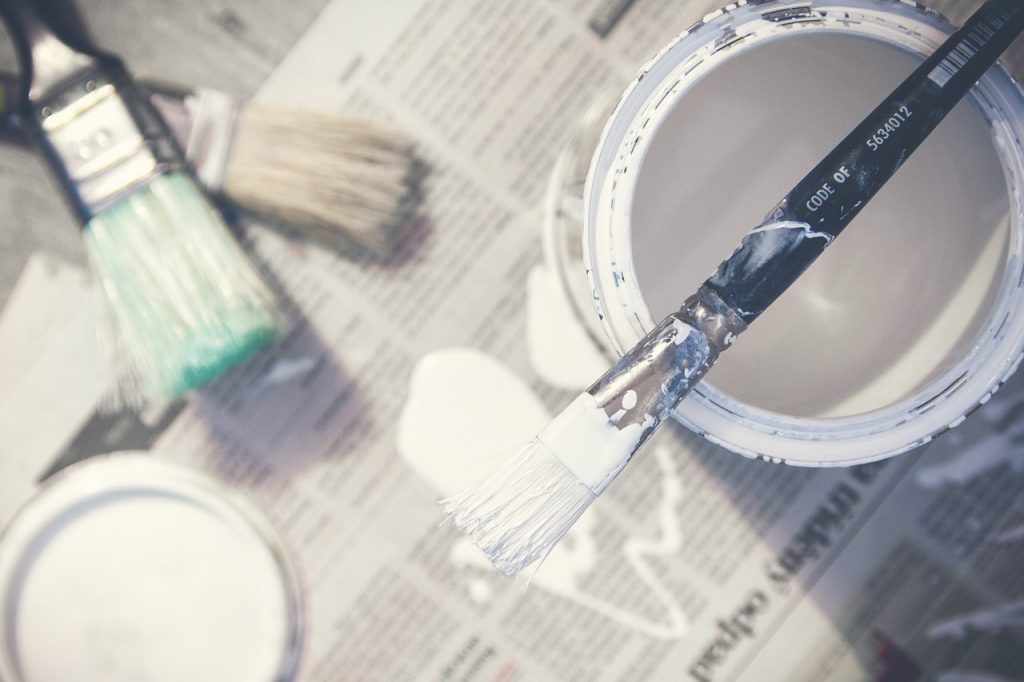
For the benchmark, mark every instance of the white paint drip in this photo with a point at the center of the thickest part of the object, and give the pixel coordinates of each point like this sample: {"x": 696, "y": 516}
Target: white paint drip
{"x": 977, "y": 459}
{"x": 769, "y": 248}
{"x": 793, "y": 225}
{"x": 559, "y": 349}
{"x": 1004, "y": 616}
{"x": 444, "y": 432}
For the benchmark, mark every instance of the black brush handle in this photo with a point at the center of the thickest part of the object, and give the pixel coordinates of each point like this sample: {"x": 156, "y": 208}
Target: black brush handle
{"x": 772, "y": 256}
{"x": 48, "y": 61}
{"x": 9, "y": 130}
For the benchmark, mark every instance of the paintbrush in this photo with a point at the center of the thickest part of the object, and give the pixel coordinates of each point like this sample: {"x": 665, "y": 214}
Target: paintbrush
{"x": 185, "y": 302}
{"x": 518, "y": 513}
{"x": 344, "y": 181}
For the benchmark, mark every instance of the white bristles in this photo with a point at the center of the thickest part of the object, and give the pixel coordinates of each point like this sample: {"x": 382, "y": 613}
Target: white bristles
{"x": 330, "y": 176}
{"x": 518, "y": 513}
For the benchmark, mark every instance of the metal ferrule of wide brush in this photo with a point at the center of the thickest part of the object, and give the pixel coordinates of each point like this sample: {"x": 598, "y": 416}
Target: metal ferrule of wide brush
{"x": 650, "y": 380}
{"x": 103, "y": 139}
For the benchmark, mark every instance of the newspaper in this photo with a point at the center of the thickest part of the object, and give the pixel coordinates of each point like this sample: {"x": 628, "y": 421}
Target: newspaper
{"x": 696, "y": 565}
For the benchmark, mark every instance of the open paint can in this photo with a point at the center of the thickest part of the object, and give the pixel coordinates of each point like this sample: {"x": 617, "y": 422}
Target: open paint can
{"x": 906, "y": 324}
{"x": 125, "y": 567}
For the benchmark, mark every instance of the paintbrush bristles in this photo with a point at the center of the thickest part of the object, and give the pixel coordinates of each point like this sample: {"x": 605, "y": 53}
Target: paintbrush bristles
{"x": 184, "y": 301}
{"x": 519, "y": 513}
{"x": 334, "y": 176}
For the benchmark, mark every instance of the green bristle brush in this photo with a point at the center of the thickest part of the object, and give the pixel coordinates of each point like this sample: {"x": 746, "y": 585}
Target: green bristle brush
{"x": 185, "y": 302}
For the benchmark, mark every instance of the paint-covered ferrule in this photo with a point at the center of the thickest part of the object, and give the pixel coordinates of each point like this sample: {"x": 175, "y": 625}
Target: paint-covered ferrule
{"x": 600, "y": 431}
{"x": 706, "y": 312}
{"x": 102, "y": 138}
{"x": 647, "y": 383}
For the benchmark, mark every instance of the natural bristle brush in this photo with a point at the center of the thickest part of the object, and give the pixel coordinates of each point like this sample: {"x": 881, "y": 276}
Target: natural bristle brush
{"x": 348, "y": 183}
{"x": 521, "y": 511}
{"x": 185, "y": 302}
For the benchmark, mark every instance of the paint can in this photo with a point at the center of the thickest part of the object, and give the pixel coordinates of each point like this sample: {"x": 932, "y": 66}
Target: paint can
{"x": 126, "y": 567}
{"x": 909, "y": 321}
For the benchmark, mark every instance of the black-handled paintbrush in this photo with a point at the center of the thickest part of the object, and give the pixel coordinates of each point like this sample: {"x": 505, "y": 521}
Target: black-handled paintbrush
{"x": 349, "y": 183}
{"x": 518, "y": 513}
{"x": 185, "y": 302}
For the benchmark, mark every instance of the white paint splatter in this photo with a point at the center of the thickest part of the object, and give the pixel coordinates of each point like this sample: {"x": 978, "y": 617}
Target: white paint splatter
{"x": 464, "y": 405}
{"x": 792, "y": 225}
{"x": 1004, "y": 616}
{"x": 974, "y": 461}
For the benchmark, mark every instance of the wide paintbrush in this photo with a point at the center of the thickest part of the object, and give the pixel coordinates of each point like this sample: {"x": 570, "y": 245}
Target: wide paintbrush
{"x": 518, "y": 513}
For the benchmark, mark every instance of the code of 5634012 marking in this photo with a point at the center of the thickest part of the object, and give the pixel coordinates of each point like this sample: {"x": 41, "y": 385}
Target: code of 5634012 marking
{"x": 881, "y": 135}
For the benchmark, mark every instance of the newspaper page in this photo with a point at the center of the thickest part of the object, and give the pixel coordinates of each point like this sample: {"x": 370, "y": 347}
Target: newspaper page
{"x": 697, "y": 564}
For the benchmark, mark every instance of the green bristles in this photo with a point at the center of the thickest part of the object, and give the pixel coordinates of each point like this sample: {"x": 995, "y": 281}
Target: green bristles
{"x": 186, "y": 302}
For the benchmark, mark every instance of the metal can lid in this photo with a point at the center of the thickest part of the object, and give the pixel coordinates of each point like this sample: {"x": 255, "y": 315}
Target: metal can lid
{"x": 127, "y": 567}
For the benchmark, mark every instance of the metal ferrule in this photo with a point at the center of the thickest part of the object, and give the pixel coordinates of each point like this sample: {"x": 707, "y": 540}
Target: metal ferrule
{"x": 709, "y": 314}
{"x": 103, "y": 139}
{"x": 649, "y": 381}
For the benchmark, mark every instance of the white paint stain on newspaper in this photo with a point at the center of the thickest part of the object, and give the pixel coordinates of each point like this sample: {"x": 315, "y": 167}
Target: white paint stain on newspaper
{"x": 464, "y": 404}
{"x": 994, "y": 619}
{"x": 1001, "y": 446}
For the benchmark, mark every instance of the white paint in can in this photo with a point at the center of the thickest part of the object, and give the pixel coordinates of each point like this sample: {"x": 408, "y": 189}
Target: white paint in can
{"x": 909, "y": 320}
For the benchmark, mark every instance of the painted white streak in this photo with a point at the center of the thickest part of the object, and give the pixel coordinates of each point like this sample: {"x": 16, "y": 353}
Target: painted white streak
{"x": 793, "y": 225}
{"x": 589, "y": 444}
{"x": 993, "y": 619}
{"x": 987, "y": 454}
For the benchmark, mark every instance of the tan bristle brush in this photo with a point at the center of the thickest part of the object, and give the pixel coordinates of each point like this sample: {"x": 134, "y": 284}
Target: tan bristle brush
{"x": 344, "y": 181}
{"x": 185, "y": 302}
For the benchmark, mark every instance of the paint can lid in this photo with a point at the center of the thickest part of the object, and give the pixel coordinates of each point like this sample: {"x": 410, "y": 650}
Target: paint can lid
{"x": 126, "y": 567}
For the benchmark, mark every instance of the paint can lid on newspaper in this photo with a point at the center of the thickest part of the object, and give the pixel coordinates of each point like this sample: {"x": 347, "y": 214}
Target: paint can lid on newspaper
{"x": 126, "y": 567}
